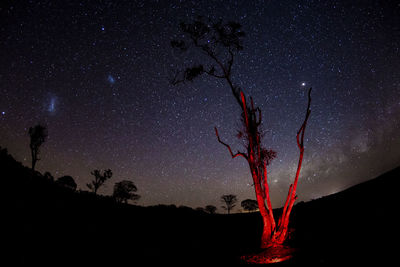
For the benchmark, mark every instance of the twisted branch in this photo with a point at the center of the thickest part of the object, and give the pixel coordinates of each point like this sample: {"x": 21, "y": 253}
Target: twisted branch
{"x": 229, "y": 148}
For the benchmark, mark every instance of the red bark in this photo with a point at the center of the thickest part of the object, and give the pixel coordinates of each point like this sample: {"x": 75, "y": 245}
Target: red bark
{"x": 273, "y": 234}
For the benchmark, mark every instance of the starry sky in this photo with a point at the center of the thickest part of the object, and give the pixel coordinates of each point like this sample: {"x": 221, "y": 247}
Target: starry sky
{"x": 97, "y": 74}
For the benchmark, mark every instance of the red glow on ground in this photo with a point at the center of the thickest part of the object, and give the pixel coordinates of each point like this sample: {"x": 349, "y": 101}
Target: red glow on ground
{"x": 271, "y": 255}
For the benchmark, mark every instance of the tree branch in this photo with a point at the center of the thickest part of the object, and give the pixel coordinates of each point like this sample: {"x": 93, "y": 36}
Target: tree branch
{"x": 300, "y": 142}
{"x": 291, "y": 198}
{"x": 211, "y": 72}
{"x": 176, "y": 80}
{"x": 230, "y": 61}
{"x": 259, "y": 116}
{"x": 229, "y": 148}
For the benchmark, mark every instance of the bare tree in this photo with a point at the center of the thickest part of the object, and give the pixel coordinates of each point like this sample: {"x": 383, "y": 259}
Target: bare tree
{"x": 249, "y": 205}
{"x": 38, "y": 135}
{"x": 220, "y": 42}
{"x": 229, "y": 201}
{"x": 99, "y": 179}
{"x": 124, "y": 191}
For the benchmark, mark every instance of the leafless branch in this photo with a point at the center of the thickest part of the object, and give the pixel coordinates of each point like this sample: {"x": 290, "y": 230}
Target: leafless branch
{"x": 229, "y": 148}
{"x": 211, "y": 72}
{"x": 300, "y": 141}
{"x": 176, "y": 80}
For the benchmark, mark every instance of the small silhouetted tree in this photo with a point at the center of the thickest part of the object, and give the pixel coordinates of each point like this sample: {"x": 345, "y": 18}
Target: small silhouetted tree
{"x": 99, "y": 179}
{"x": 124, "y": 191}
{"x": 38, "y": 135}
{"x": 210, "y": 209}
{"x": 249, "y": 205}
{"x": 229, "y": 201}
{"x": 67, "y": 182}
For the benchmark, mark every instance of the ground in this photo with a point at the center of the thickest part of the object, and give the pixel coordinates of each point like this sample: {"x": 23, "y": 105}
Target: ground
{"x": 273, "y": 254}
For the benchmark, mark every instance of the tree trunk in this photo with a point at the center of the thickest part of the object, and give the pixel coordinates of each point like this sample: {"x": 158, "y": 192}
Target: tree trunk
{"x": 266, "y": 212}
{"x": 267, "y": 223}
{"x": 271, "y": 235}
{"x": 33, "y": 159}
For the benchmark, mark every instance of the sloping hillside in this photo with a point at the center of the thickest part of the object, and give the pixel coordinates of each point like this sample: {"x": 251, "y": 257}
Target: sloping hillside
{"x": 359, "y": 224}
{"x": 50, "y": 224}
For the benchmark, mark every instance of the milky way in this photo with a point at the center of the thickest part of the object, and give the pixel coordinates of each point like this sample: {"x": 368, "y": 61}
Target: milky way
{"x": 98, "y": 75}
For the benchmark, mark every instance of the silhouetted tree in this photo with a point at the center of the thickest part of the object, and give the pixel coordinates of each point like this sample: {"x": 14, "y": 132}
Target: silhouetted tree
{"x": 38, "y": 135}
{"x": 200, "y": 209}
{"x": 211, "y": 209}
{"x": 99, "y": 179}
{"x": 229, "y": 201}
{"x": 220, "y": 42}
{"x": 249, "y": 205}
{"x": 124, "y": 191}
{"x": 67, "y": 181}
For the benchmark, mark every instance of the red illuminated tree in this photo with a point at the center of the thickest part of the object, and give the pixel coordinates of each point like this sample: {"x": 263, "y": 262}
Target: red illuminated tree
{"x": 220, "y": 42}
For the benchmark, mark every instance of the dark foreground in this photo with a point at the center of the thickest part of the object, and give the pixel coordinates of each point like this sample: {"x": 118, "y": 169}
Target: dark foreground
{"x": 49, "y": 224}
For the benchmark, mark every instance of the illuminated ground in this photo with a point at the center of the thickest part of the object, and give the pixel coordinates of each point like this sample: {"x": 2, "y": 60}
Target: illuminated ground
{"x": 272, "y": 255}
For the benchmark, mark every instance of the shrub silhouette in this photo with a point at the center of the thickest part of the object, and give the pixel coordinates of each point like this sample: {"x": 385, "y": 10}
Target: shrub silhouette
{"x": 249, "y": 204}
{"x": 210, "y": 209}
{"x": 124, "y": 191}
{"x": 67, "y": 182}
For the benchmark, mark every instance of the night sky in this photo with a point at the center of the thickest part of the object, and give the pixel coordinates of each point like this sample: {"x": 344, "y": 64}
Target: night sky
{"x": 97, "y": 74}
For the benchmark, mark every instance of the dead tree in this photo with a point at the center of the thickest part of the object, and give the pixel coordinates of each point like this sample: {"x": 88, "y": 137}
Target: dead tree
{"x": 99, "y": 179}
{"x": 38, "y": 135}
{"x": 220, "y": 42}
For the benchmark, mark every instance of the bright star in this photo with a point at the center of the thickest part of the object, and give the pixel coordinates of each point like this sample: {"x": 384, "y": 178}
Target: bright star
{"x": 303, "y": 84}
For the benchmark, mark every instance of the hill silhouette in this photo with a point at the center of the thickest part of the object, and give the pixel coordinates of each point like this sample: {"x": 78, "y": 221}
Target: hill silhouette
{"x": 51, "y": 224}
{"x": 357, "y": 225}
